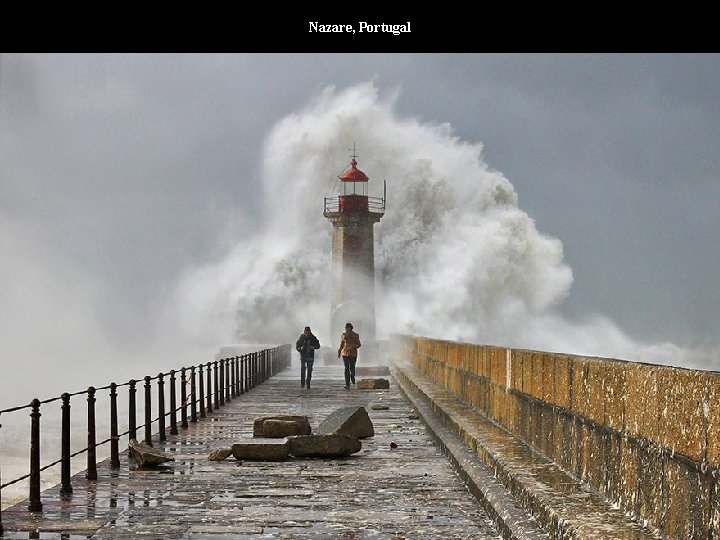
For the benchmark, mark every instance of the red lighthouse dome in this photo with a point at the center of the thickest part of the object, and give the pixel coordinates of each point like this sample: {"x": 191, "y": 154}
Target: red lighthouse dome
{"x": 353, "y": 174}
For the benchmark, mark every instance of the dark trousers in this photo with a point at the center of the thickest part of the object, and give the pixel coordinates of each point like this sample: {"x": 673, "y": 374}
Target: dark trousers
{"x": 306, "y": 365}
{"x": 349, "y": 362}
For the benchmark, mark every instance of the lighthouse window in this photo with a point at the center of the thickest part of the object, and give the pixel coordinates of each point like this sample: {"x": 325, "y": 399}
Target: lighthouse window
{"x": 355, "y": 188}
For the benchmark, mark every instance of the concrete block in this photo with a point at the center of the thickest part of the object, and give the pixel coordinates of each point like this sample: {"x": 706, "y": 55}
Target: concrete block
{"x": 578, "y": 388}
{"x": 641, "y": 404}
{"x": 578, "y": 463}
{"x": 563, "y": 436}
{"x": 452, "y": 354}
{"x": 562, "y": 381}
{"x": 536, "y": 427}
{"x": 527, "y": 372}
{"x": 145, "y": 456}
{"x": 280, "y": 426}
{"x": 649, "y": 488}
{"x": 584, "y": 449}
{"x": 547, "y": 367}
{"x": 627, "y": 494}
{"x": 549, "y": 441}
{"x": 474, "y": 354}
{"x": 596, "y": 376}
{"x": 682, "y": 425}
{"x": 516, "y": 360}
{"x": 522, "y": 423}
{"x": 567, "y": 441}
{"x": 460, "y": 382}
{"x": 500, "y": 405}
{"x": 452, "y": 383}
{"x": 464, "y": 357}
{"x": 510, "y": 416}
{"x": 492, "y": 402}
{"x": 485, "y": 361}
{"x": 261, "y": 451}
{"x": 323, "y": 445}
{"x": 686, "y": 494}
{"x": 465, "y": 388}
{"x": 351, "y": 421}
{"x": 501, "y": 366}
{"x": 484, "y": 394}
{"x": 536, "y": 383}
{"x": 615, "y": 393}
{"x": 598, "y": 443}
{"x": 373, "y": 384}
{"x": 613, "y": 465}
{"x": 495, "y": 367}
{"x": 471, "y": 392}
{"x": 441, "y": 350}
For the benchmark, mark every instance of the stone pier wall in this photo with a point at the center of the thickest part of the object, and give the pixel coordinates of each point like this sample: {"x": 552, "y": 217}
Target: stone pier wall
{"x": 646, "y": 436}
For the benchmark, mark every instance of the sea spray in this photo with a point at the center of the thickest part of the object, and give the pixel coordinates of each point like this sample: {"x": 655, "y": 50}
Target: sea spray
{"x": 456, "y": 257}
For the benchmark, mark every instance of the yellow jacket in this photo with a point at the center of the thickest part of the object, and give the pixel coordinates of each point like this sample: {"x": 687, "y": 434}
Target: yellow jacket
{"x": 349, "y": 344}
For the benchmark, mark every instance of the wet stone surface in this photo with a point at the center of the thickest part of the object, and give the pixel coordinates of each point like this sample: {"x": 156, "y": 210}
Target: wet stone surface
{"x": 399, "y": 486}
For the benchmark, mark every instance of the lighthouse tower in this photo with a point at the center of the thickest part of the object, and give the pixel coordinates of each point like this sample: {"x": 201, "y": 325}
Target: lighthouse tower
{"x": 352, "y": 294}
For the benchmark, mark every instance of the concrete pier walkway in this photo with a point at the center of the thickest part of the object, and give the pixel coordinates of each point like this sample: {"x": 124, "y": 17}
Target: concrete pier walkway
{"x": 410, "y": 491}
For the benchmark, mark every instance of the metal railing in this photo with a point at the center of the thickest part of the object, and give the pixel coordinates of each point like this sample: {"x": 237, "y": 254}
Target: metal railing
{"x": 375, "y": 204}
{"x": 211, "y": 386}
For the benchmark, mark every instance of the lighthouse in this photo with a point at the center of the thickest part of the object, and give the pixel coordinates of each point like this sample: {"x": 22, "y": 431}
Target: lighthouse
{"x": 352, "y": 295}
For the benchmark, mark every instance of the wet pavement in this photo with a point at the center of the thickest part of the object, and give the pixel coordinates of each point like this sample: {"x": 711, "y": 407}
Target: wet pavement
{"x": 399, "y": 486}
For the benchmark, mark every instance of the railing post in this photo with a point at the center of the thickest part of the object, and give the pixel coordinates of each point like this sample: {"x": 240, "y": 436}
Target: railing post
{"x": 215, "y": 375}
{"x": 114, "y": 439}
{"x": 173, "y": 404}
{"x": 161, "y": 407}
{"x": 246, "y": 373}
{"x": 254, "y": 369}
{"x": 183, "y": 397}
{"x": 209, "y": 389}
{"x": 132, "y": 421}
{"x": 91, "y": 473}
{"x": 35, "y": 505}
{"x": 201, "y": 399}
{"x": 66, "y": 486}
{"x": 264, "y": 365}
{"x": 233, "y": 377}
{"x": 251, "y": 370}
{"x": 242, "y": 374}
{"x": 148, "y": 411}
{"x": 230, "y": 379}
{"x": 222, "y": 382}
{"x": 227, "y": 380}
{"x": 193, "y": 395}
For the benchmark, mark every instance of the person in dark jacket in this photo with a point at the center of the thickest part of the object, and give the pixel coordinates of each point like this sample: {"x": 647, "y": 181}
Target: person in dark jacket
{"x": 306, "y": 345}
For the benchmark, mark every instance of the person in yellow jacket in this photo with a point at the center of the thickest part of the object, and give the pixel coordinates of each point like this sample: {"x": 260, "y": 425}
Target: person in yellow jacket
{"x": 349, "y": 344}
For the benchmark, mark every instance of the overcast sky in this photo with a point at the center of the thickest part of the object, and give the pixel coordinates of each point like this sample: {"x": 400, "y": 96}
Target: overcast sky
{"x": 119, "y": 173}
